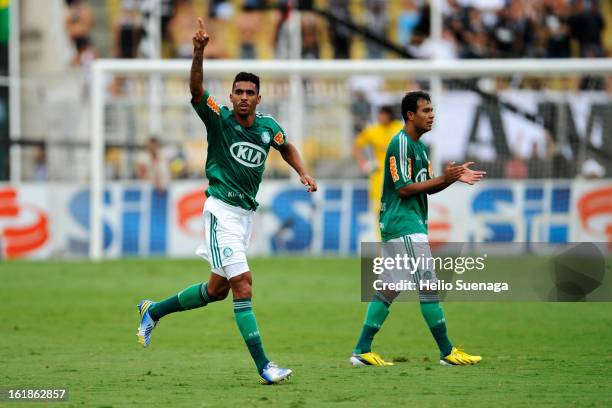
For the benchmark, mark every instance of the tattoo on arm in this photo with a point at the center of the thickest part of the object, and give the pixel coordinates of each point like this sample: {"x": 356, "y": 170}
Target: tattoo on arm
{"x": 197, "y": 75}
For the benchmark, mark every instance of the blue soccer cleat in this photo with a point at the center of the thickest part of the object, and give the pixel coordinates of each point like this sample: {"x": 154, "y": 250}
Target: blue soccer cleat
{"x": 273, "y": 374}
{"x": 147, "y": 324}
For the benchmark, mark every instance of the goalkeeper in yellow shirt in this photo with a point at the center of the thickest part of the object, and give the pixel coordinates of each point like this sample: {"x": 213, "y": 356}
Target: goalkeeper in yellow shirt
{"x": 376, "y": 138}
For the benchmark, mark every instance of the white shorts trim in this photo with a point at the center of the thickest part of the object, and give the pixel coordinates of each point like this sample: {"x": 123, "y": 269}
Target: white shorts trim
{"x": 233, "y": 270}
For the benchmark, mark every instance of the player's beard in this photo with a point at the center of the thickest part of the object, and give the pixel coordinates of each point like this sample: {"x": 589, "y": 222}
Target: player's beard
{"x": 243, "y": 115}
{"x": 244, "y": 112}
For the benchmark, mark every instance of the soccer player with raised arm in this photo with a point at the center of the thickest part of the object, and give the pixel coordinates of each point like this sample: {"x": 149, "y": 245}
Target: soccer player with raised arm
{"x": 408, "y": 179}
{"x": 239, "y": 140}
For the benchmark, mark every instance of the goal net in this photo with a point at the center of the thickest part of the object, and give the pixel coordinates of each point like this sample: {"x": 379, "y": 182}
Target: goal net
{"x": 517, "y": 119}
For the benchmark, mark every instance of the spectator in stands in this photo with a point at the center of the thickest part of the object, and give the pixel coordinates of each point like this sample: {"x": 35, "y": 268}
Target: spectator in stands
{"x": 591, "y": 169}
{"x": 407, "y": 21}
{"x": 218, "y": 25}
{"x": 128, "y": 30}
{"x": 151, "y": 165}
{"x": 377, "y": 22}
{"x": 79, "y": 21}
{"x": 178, "y": 164}
{"x": 456, "y": 20}
{"x": 360, "y": 110}
{"x": 538, "y": 163}
{"x": 85, "y": 54}
{"x": 474, "y": 41}
{"x": 513, "y": 32}
{"x": 40, "y": 163}
{"x": 425, "y": 47}
{"x": 113, "y": 163}
{"x": 515, "y": 168}
{"x": 310, "y": 36}
{"x": 167, "y": 11}
{"x": 220, "y": 9}
{"x": 477, "y": 45}
{"x": 281, "y": 31}
{"x": 182, "y": 26}
{"x": 340, "y": 35}
{"x": 248, "y": 23}
{"x": 423, "y": 25}
{"x": 587, "y": 25}
{"x": 556, "y": 23}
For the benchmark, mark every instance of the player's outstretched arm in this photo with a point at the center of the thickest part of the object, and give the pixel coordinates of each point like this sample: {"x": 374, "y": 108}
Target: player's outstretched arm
{"x": 451, "y": 174}
{"x": 200, "y": 40}
{"x": 292, "y": 157}
{"x": 470, "y": 176}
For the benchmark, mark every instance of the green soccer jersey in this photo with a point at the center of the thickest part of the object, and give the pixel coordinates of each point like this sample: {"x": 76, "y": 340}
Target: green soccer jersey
{"x": 236, "y": 155}
{"x": 406, "y": 162}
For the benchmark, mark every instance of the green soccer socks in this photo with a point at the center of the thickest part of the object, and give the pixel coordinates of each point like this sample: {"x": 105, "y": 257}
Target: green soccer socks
{"x": 245, "y": 319}
{"x": 378, "y": 310}
{"x": 434, "y": 316}
{"x": 190, "y": 298}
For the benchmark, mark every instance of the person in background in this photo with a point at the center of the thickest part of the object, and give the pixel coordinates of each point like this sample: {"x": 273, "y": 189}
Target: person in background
{"x": 310, "y": 36}
{"x": 340, "y": 35}
{"x": 85, "y": 54}
{"x": 79, "y": 21}
{"x": 128, "y": 30}
{"x": 40, "y": 163}
{"x": 407, "y": 21}
{"x": 377, "y": 21}
{"x": 555, "y": 20}
{"x": 591, "y": 169}
{"x": 516, "y": 168}
{"x": 151, "y": 165}
{"x": 181, "y": 27}
{"x": 248, "y": 24}
{"x": 375, "y": 139}
{"x": 587, "y": 26}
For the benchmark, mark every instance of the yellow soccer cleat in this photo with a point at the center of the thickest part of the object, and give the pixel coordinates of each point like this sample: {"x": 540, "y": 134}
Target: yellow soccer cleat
{"x": 368, "y": 359}
{"x": 459, "y": 357}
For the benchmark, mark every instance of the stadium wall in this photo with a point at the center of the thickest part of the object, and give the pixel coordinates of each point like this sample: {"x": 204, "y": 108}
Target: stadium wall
{"x": 46, "y": 220}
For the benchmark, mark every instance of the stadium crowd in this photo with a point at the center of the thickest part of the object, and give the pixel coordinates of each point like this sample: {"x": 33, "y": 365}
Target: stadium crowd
{"x": 253, "y": 29}
{"x": 471, "y": 28}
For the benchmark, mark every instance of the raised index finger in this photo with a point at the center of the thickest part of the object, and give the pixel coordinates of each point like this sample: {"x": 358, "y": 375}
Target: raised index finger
{"x": 201, "y": 23}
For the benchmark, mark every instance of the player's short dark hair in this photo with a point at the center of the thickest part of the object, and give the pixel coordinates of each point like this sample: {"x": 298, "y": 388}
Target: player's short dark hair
{"x": 246, "y": 77}
{"x": 410, "y": 102}
{"x": 388, "y": 109}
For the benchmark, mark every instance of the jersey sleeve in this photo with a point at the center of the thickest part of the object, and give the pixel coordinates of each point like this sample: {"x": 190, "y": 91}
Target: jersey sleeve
{"x": 279, "y": 137}
{"x": 399, "y": 157}
{"x": 209, "y": 111}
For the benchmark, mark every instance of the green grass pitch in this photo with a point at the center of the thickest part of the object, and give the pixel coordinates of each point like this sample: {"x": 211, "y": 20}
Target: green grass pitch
{"x": 73, "y": 324}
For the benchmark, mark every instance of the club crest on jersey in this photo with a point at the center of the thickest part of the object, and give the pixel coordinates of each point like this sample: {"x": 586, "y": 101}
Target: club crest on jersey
{"x": 212, "y": 104}
{"x": 248, "y": 154}
{"x": 278, "y": 138}
{"x": 265, "y": 137}
{"x": 393, "y": 169}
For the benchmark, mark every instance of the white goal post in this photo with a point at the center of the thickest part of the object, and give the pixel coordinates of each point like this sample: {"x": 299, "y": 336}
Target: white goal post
{"x": 294, "y": 70}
